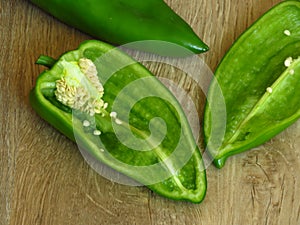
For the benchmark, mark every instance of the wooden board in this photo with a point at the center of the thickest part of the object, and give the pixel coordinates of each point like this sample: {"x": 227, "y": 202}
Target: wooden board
{"x": 44, "y": 179}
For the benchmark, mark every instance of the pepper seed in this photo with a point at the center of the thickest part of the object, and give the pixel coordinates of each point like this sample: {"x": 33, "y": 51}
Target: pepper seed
{"x": 119, "y": 122}
{"x": 97, "y": 132}
{"x": 86, "y": 123}
{"x": 288, "y": 61}
{"x": 269, "y": 90}
{"x": 113, "y": 114}
{"x": 287, "y": 33}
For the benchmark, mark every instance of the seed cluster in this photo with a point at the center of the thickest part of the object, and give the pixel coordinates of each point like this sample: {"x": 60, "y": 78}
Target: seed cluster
{"x": 89, "y": 69}
{"x": 80, "y": 89}
{"x": 79, "y": 97}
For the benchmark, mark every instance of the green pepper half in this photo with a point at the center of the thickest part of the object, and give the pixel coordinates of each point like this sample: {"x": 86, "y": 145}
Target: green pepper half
{"x": 260, "y": 81}
{"x": 122, "y": 21}
{"x": 110, "y": 104}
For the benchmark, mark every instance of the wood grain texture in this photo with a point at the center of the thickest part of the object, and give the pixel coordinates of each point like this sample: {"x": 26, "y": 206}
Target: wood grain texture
{"x": 44, "y": 179}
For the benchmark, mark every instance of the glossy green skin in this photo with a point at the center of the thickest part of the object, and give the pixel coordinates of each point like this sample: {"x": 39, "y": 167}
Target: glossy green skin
{"x": 189, "y": 183}
{"x": 123, "y": 21}
{"x": 254, "y": 63}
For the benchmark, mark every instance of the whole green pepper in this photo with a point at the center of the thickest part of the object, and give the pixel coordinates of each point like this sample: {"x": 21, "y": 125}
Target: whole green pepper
{"x": 109, "y": 104}
{"x": 259, "y": 81}
{"x": 124, "y": 21}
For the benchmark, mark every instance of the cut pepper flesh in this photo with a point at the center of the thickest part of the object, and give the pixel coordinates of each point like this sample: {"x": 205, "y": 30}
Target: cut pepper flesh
{"x": 130, "y": 100}
{"x": 261, "y": 94}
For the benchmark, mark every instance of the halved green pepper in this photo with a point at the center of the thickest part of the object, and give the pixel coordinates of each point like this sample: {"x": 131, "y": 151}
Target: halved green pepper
{"x": 109, "y": 104}
{"x": 124, "y": 21}
{"x": 259, "y": 78}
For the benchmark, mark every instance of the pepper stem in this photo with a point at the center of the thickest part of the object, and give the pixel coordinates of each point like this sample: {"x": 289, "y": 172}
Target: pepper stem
{"x": 45, "y": 61}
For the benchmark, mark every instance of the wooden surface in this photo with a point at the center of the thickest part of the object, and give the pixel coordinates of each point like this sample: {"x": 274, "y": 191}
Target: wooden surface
{"x": 44, "y": 179}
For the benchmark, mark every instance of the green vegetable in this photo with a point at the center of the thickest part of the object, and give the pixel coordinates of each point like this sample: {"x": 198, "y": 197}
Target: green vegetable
{"x": 260, "y": 81}
{"x": 110, "y": 104}
{"x": 123, "y": 21}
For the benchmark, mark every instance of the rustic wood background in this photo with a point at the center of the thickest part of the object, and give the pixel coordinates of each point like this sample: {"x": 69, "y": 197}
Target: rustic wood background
{"x": 44, "y": 179}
